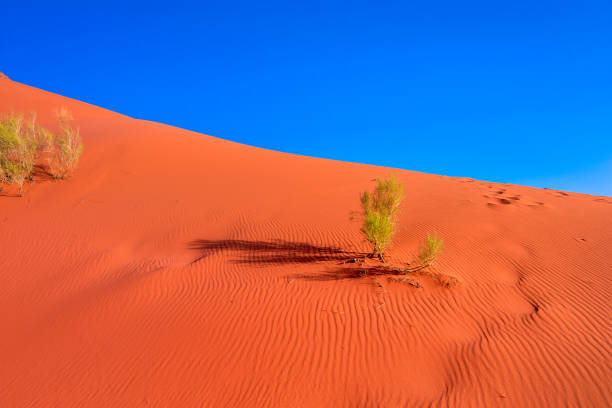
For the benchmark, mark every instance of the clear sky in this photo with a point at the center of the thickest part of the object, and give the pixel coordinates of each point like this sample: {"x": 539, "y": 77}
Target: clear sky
{"x": 506, "y": 91}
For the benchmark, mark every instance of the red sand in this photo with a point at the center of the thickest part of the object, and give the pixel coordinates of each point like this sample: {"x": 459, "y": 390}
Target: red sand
{"x": 178, "y": 269}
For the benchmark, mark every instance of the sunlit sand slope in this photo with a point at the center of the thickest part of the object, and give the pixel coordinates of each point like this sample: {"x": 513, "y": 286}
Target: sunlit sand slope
{"x": 179, "y": 269}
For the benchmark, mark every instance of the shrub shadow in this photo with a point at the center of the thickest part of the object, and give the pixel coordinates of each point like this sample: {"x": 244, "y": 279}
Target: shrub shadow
{"x": 346, "y": 264}
{"x": 348, "y": 272}
{"x": 272, "y": 252}
{"x": 3, "y": 193}
{"x": 41, "y": 173}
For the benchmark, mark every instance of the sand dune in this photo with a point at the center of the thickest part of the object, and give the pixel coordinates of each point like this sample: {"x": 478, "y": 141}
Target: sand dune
{"x": 179, "y": 269}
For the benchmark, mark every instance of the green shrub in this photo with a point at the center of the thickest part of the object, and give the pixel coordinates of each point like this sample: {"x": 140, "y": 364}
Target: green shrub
{"x": 23, "y": 143}
{"x": 40, "y": 136}
{"x": 379, "y": 211}
{"x": 18, "y": 150}
{"x": 430, "y": 249}
{"x": 66, "y": 147}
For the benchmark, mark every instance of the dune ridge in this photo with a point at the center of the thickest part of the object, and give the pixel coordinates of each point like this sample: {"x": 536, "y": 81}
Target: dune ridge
{"x": 179, "y": 269}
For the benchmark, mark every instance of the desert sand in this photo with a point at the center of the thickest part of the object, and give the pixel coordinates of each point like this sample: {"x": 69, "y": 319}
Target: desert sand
{"x": 179, "y": 269}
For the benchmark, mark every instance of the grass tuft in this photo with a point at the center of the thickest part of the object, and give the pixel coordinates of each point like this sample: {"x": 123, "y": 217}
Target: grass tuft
{"x": 18, "y": 149}
{"x": 379, "y": 211}
{"x": 23, "y": 143}
{"x": 430, "y": 249}
{"x": 66, "y": 147}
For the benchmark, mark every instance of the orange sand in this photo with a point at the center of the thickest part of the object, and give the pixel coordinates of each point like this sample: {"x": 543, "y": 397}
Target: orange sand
{"x": 178, "y": 269}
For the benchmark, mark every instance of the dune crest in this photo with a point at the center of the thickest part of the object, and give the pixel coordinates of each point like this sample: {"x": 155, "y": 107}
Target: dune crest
{"x": 179, "y": 269}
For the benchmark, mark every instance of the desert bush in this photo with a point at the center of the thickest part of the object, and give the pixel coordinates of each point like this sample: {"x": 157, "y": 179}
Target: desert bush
{"x": 18, "y": 150}
{"x": 40, "y": 136}
{"x": 428, "y": 252}
{"x": 23, "y": 143}
{"x": 65, "y": 147}
{"x": 379, "y": 211}
{"x": 430, "y": 249}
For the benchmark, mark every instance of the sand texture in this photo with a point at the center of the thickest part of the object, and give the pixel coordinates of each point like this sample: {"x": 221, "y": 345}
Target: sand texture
{"x": 179, "y": 269}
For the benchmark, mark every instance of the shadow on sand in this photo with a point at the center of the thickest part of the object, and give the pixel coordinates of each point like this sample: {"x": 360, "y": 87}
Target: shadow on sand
{"x": 40, "y": 173}
{"x": 272, "y": 252}
{"x": 349, "y": 272}
{"x": 341, "y": 264}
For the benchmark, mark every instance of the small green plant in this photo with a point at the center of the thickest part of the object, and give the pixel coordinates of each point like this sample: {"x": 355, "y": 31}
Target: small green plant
{"x": 428, "y": 252}
{"x": 379, "y": 211}
{"x": 18, "y": 150}
{"x": 40, "y": 136}
{"x": 23, "y": 143}
{"x": 430, "y": 249}
{"x": 66, "y": 147}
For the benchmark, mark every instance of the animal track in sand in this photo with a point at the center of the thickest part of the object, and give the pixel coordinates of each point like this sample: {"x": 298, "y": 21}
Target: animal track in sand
{"x": 504, "y": 198}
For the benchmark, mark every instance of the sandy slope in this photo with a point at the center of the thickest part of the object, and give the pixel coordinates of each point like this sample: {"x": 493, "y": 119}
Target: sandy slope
{"x": 178, "y": 269}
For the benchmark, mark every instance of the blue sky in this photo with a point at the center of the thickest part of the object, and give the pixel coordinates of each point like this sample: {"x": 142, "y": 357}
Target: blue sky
{"x": 506, "y": 91}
